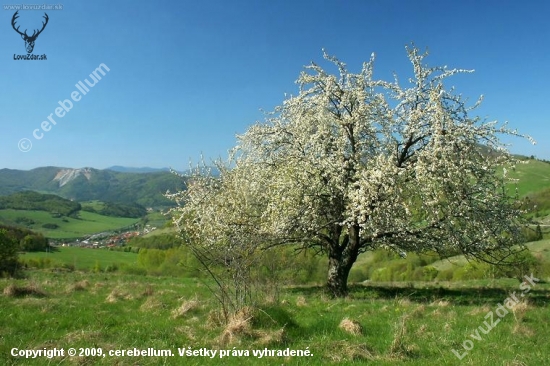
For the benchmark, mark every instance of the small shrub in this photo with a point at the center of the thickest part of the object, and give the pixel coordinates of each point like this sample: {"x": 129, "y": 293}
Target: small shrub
{"x": 445, "y": 275}
{"x": 430, "y": 273}
{"x": 111, "y": 268}
{"x": 50, "y": 226}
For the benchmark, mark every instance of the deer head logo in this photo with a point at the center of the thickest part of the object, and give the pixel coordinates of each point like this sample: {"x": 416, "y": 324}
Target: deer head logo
{"x": 29, "y": 40}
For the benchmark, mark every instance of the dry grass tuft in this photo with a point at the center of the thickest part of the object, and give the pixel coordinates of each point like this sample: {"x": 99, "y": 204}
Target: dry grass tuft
{"x": 78, "y": 286}
{"x": 519, "y": 309}
{"x": 271, "y": 337}
{"x": 351, "y": 326}
{"x": 118, "y": 294}
{"x": 301, "y": 301}
{"x": 404, "y": 302}
{"x": 515, "y": 363}
{"x": 187, "y": 331}
{"x": 82, "y": 336}
{"x": 31, "y": 289}
{"x": 523, "y": 330}
{"x": 398, "y": 347}
{"x": 215, "y": 319}
{"x": 480, "y": 310}
{"x": 343, "y": 351}
{"x": 441, "y": 303}
{"x": 240, "y": 324}
{"x": 421, "y": 330}
{"x": 150, "y": 304}
{"x": 419, "y": 311}
{"x": 185, "y": 307}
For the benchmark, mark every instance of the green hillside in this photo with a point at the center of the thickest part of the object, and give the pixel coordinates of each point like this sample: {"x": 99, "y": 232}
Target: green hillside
{"x": 83, "y": 258}
{"x": 29, "y": 200}
{"x": 533, "y": 175}
{"x": 86, "y": 223}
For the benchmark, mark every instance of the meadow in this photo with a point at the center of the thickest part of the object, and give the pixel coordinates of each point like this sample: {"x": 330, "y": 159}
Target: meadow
{"x": 382, "y": 324}
{"x": 104, "y": 300}
{"x": 68, "y": 227}
{"x": 533, "y": 175}
{"x": 81, "y": 259}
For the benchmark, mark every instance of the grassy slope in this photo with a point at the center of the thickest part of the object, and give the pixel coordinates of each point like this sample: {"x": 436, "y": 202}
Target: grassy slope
{"x": 412, "y": 326}
{"x": 89, "y": 223}
{"x": 84, "y": 258}
{"x": 542, "y": 246}
{"x": 533, "y": 176}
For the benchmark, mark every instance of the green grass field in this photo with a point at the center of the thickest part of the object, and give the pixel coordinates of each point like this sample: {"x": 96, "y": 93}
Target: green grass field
{"x": 533, "y": 176}
{"x": 411, "y": 323}
{"x": 387, "y": 325}
{"x": 83, "y": 258}
{"x": 87, "y": 224}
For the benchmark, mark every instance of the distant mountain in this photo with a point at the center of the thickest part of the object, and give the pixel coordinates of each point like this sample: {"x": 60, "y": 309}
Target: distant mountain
{"x": 86, "y": 184}
{"x": 125, "y": 169}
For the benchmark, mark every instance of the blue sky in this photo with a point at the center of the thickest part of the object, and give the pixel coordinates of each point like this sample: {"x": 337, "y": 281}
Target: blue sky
{"x": 186, "y": 76}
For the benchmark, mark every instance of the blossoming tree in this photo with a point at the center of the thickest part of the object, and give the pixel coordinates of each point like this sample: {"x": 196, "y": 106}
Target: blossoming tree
{"x": 352, "y": 164}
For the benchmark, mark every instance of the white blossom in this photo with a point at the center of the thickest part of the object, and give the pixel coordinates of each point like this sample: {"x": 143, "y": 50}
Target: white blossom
{"x": 352, "y": 163}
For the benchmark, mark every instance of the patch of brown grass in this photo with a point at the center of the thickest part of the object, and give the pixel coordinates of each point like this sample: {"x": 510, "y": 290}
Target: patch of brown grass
{"x": 480, "y": 310}
{"x": 215, "y": 319}
{"x": 117, "y": 294}
{"x": 266, "y": 337}
{"x": 441, "y": 303}
{"x": 301, "y": 301}
{"x": 404, "y": 302}
{"x": 421, "y": 330}
{"x": 351, "y": 326}
{"x": 150, "y": 304}
{"x": 240, "y": 324}
{"x": 82, "y": 336}
{"x": 343, "y": 351}
{"x": 399, "y": 348}
{"x": 437, "y": 313}
{"x": 78, "y": 286}
{"x": 31, "y": 289}
{"x": 515, "y": 363}
{"x": 187, "y": 331}
{"x": 523, "y": 330}
{"x": 185, "y": 307}
{"x": 519, "y": 309}
{"x": 418, "y": 311}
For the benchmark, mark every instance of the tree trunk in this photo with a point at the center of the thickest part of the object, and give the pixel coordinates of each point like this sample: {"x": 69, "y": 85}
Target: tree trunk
{"x": 337, "y": 282}
{"x": 341, "y": 258}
